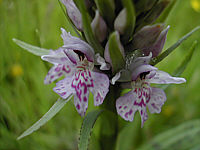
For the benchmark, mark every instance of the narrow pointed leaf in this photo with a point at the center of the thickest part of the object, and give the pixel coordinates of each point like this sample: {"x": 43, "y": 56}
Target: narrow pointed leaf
{"x": 186, "y": 60}
{"x": 86, "y": 129}
{"x": 153, "y": 14}
{"x": 32, "y": 49}
{"x": 116, "y": 56}
{"x": 173, "y": 47}
{"x": 166, "y": 12}
{"x": 185, "y": 136}
{"x": 180, "y": 69}
{"x": 92, "y": 40}
{"x": 144, "y": 5}
{"x": 60, "y": 103}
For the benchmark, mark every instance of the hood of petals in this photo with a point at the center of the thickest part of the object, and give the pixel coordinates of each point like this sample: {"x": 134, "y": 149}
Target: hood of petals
{"x": 140, "y": 61}
{"x": 142, "y": 69}
{"x": 57, "y": 57}
{"x": 74, "y": 43}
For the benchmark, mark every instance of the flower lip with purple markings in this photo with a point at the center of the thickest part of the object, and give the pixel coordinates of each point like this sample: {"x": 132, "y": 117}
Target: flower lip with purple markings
{"x": 142, "y": 94}
{"x": 75, "y": 60}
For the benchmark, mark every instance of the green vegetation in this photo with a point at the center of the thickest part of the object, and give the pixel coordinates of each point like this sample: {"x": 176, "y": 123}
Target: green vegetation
{"x": 24, "y": 98}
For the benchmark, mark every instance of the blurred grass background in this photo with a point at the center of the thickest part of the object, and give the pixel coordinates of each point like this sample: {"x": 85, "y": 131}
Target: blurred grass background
{"x": 24, "y": 98}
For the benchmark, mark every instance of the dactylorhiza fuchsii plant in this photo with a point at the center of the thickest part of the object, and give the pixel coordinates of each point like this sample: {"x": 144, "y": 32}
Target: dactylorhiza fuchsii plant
{"x": 118, "y": 45}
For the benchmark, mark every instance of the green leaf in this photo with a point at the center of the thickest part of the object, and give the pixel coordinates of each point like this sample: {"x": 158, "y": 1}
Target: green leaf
{"x": 32, "y": 49}
{"x": 173, "y": 47}
{"x": 185, "y": 136}
{"x": 166, "y": 12}
{"x": 92, "y": 40}
{"x": 60, "y": 103}
{"x": 181, "y": 68}
{"x": 86, "y": 128}
{"x": 115, "y": 52}
{"x": 186, "y": 60}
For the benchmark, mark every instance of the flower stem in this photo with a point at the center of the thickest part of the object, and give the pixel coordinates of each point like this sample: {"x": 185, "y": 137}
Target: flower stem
{"x": 109, "y": 120}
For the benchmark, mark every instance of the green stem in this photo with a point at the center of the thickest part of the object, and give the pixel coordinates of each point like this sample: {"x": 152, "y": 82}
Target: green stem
{"x": 109, "y": 120}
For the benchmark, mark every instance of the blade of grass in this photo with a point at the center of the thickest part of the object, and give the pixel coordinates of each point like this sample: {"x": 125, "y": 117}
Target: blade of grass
{"x": 60, "y": 103}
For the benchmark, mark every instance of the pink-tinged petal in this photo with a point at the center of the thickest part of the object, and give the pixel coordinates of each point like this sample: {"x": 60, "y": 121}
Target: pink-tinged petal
{"x": 162, "y": 77}
{"x": 150, "y": 39}
{"x": 81, "y": 84}
{"x": 151, "y": 74}
{"x": 147, "y": 36}
{"x": 106, "y": 54}
{"x": 73, "y": 13}
{"x": 143, "y": 115}
{"x": 125, "y": 106}
{"x": 56, "y": 72}
{"x": 140, "y": 61}
{"x": 63, "y": 87}
{"x": 72, "y": 56}
{"x": 57, "y": 58}
{"x": 157, "y": 100}
{"x": 142, "y": 69}
{"x": 81, "y": 106}
{"x": 143, "y": 97}
{"x": 101, "y": 87}
{"x": 74, "y": 43}
{"x": 101, "y": 61}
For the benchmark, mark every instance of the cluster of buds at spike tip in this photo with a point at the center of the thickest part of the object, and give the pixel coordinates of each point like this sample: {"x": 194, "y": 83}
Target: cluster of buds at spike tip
{"x": 121, "y": 37}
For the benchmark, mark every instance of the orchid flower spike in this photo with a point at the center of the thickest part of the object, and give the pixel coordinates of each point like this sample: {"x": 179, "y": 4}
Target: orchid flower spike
{"x": 75, "y": 60}
{"x": 142, "y": 94}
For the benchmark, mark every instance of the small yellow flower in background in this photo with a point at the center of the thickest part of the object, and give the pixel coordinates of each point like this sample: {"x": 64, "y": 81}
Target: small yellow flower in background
{"x": 168, "y": 110}
{"x": 16, "y": 70}
{"x": 195, "y": 5}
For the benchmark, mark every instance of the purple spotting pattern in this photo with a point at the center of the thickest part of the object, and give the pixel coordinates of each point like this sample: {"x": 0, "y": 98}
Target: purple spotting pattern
{"x": 142, "y": 94}
{"x": 75, "y": 61}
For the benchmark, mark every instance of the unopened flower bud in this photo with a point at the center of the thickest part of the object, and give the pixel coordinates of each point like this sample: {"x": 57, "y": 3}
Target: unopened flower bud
{"x": 73, "y": 13}
{"x": 120, "y": 21}
{"x": 99, "y": 27}
{"x": 125, "y": 21}
{"x": 150, "y": 39}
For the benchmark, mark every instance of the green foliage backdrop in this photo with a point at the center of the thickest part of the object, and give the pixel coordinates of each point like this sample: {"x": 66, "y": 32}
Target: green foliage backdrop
{"x": 24, "y": 98}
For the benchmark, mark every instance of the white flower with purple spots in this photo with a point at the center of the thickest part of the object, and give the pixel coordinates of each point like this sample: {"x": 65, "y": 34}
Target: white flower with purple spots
{"x": 142, "y": 94}
{"x": 75, "y": 60}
